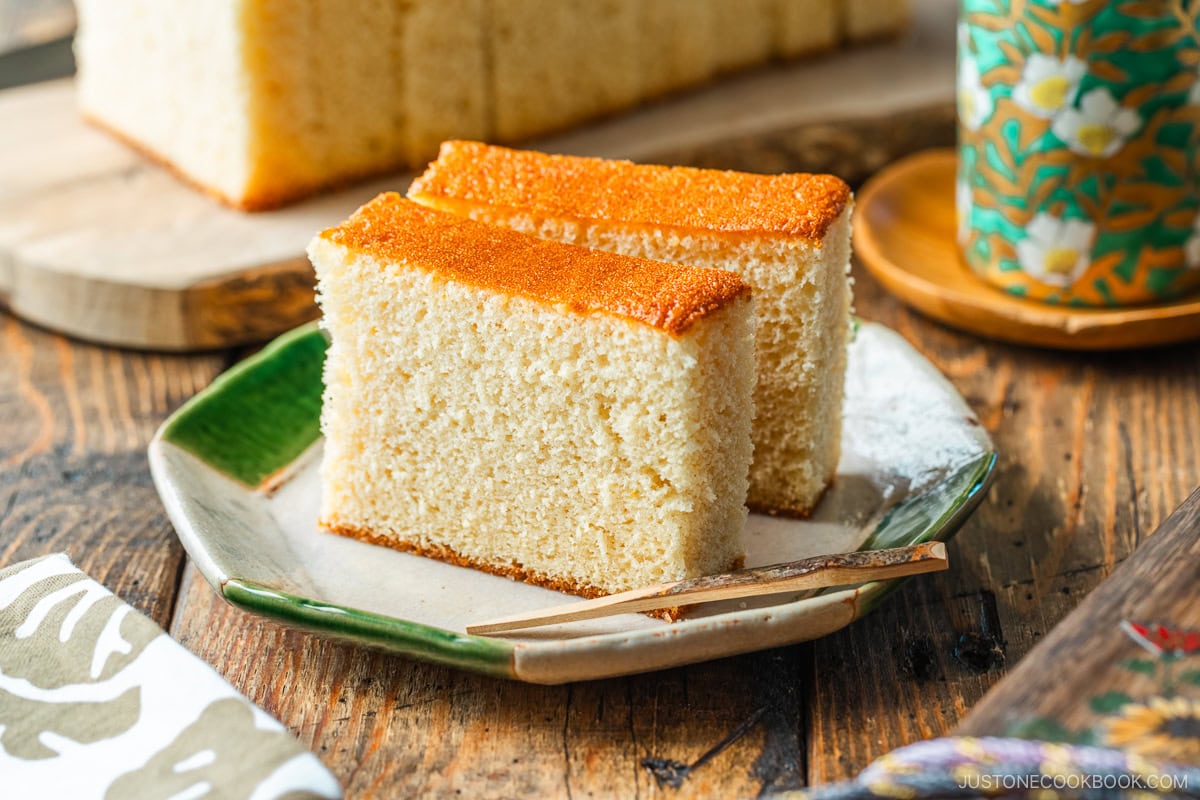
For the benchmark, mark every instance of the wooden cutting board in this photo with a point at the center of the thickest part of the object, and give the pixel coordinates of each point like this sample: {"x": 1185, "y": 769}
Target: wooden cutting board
{"x": 98, "y": 243}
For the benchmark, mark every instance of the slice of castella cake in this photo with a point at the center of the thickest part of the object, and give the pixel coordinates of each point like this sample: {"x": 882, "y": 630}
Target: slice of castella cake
{"x": 571, "y": 418}
{"x": 788, "y": 236}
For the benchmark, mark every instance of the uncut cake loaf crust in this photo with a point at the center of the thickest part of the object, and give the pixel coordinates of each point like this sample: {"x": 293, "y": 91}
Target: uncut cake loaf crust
{"x": 788, "y": 236}
{"x": 264, "y": 102}
{"x": 572, "y": 418}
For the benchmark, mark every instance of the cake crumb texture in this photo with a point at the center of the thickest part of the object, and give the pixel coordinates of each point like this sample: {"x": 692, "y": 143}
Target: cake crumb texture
{"x": 793, "y": 249}
{"x": 574, "y": 418}
{"x": 869, "y": 20}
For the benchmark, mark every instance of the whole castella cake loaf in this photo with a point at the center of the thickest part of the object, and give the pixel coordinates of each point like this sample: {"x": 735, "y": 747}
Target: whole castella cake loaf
{"x": 788, "y": 236}
{"x": 572, "y": 418}
{"x": 264, "y": 102}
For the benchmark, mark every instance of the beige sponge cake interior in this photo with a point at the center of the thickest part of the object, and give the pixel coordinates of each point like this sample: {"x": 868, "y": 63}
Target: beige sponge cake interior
{"x": 741, "y": 33}
{"x": 557, "y": 62}
{"x": 569, "y": 417}
{"x": 260, "y": 102}
{"x": 314, "y": 116}
{"x": 674, "y": 45}
{"x": 806, "y": 27}
{"x": 445, "y": 54}
{"x": 867, "y": 20}
{"x": 788, "y": 236}
{"x": 133, "y": 61}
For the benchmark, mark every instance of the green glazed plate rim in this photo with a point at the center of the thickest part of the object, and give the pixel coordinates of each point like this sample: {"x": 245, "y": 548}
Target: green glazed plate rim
{"x": 254, "y": 425}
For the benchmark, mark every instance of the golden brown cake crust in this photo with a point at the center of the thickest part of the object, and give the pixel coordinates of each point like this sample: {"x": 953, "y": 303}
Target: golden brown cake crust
{"x": 511, "y": 570}
{"x": 442, "y": 553}
{"x": 665, "y": 296}
{"x": 793, "y": 205}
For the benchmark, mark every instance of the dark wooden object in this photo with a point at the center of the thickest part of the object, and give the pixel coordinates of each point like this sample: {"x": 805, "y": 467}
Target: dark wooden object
{"x": 1096, "y": 451}
{"x": 1066, "y": 682}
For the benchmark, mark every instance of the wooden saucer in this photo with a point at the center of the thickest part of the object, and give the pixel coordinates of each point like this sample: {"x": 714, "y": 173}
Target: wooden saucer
{"x": 904, "y": 233}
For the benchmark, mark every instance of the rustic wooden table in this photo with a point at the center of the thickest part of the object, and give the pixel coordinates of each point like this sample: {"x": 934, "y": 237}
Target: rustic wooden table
{"x": 1096, "y": 449}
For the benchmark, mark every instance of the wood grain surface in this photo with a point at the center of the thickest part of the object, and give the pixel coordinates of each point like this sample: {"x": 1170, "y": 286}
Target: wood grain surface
{"x": 1088, "y": 655}
{"x": 74, "y": 424}
{"x": 103, "y": 245}
{"x": 1096, "y": 450}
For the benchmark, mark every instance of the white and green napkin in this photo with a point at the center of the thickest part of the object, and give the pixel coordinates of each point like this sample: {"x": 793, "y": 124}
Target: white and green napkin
{"x": 96, "y": 701}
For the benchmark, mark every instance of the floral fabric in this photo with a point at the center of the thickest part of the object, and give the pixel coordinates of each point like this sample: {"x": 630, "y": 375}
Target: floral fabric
{"x": 97, "y": 702}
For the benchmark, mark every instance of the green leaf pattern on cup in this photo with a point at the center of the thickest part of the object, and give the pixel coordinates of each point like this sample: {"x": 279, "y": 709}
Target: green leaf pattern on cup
{"x": 1079, "y": 148}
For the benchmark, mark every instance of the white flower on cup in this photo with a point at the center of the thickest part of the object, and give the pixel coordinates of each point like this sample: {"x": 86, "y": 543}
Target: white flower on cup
{"x": 1048, "y": 84}
{"x": 975, "y": 102}
{"x": 1191, "y": 248}
{"x": 963, "y": 203}
{"x": 1194, "y": 94}
{"x": 1099, "y": 127}
{"x": 1056, "y": 251}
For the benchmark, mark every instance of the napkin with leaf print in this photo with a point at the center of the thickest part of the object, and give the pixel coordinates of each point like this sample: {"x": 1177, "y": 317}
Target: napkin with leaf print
{"x": 96, "y": 701}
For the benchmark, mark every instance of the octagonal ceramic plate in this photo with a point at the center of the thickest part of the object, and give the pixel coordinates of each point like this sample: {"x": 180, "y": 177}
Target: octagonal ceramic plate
{"x": 237, "y": 470}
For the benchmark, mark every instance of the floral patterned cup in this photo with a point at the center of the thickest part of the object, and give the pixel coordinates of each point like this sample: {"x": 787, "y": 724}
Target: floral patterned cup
{"x": 1079, "y": 148}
